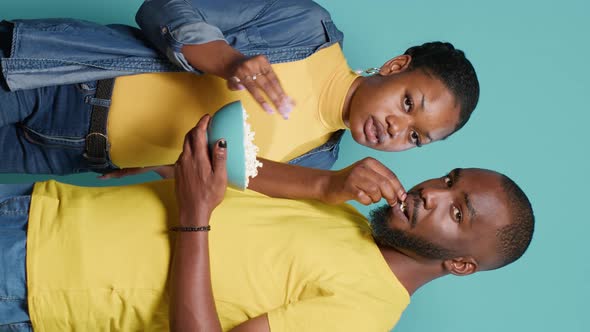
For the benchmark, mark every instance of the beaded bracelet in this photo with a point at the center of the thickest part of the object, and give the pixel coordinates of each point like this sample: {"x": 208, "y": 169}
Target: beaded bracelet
{"x": 190, "y": 229}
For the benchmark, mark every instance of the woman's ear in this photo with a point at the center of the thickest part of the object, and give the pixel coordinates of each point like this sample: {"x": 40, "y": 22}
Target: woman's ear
{"x": 395, "y": 65}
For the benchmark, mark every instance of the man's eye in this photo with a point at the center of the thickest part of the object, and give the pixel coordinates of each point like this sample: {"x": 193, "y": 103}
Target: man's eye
{"x": 457, "y": 214}
{"x": 415, "y": 138}
{"x": 408, "y": 104}
{"x": 448, "y": 181}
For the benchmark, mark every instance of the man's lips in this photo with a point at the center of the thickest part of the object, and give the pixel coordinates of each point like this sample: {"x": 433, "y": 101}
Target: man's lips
{"x": 374, "y": 131}
{"x": 396, "y": 210}
{"x": 409, "y": 213}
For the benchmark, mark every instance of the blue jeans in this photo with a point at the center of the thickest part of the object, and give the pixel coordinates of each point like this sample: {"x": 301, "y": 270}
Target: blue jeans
{"x": 14, "y": 216}
{"x": 42, "y": 131}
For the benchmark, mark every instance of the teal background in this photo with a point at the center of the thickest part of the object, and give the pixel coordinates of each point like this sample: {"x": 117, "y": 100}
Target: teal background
{"x": 531, "y": 59}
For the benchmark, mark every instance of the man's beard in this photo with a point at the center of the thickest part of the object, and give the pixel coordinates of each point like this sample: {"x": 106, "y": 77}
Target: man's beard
{"x": 399, "y": 239}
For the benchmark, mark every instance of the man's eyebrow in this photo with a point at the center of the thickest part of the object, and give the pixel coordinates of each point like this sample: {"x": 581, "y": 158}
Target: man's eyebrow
{"x": 455, "y": 176}
{"x": 470, "y": 208}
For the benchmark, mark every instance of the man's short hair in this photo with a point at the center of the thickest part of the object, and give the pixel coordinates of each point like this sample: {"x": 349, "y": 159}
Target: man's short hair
{"x": 514, "y": 238}
{"x": 450, "y": 65}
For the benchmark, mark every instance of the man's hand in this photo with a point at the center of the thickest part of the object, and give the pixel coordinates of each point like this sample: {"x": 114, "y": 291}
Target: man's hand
{"x": 200, "y": 186}
{"x": 366, "y": 181}
{"x": 201, "y": 180}
{"x": 252, "y": 73}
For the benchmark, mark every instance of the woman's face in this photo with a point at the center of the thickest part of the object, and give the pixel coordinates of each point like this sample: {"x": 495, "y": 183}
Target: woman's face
{"x": 401, "y": 110}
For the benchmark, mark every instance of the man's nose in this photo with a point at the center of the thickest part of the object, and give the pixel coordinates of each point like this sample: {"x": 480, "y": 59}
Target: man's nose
{"x": 432, "y": 197}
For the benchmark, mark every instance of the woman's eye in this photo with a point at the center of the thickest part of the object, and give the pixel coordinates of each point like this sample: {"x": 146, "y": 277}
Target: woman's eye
{"x": 457, "y": 214}
{"x": 448, "y": 181}
{"x": 415, "y": 138}
{"x": 408, "y": 104}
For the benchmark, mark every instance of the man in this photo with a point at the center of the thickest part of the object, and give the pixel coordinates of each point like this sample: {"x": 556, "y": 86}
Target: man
{"x": 53, "y": 116}
{"x": 98, "y": 258}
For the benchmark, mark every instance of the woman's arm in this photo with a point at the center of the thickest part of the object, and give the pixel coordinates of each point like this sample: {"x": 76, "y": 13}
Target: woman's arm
{"x": 190, "y": 34}
{"x": 367, "y": 181}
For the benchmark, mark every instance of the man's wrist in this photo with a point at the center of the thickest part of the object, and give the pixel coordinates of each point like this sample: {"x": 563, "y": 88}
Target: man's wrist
{"x": 197, "y": 218}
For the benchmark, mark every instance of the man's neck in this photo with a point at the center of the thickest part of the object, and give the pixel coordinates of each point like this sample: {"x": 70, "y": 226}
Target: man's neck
{"x": 412, "y": 273}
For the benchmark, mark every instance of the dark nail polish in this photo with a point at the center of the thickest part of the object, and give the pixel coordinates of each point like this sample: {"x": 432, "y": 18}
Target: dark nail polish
{"x": 222, "y": 144}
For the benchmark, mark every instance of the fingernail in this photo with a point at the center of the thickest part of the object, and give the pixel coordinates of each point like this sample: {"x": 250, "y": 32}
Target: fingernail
{"x": 404, "y": 196}
{"x": 241, "y": 87}
{"x": 285, "y": 110}
{"x": 267, "y": 108}
{"x": 222, "y": 144}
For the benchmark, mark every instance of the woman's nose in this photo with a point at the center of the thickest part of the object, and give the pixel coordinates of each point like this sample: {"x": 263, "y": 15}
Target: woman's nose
{"x": 397, "y": 125}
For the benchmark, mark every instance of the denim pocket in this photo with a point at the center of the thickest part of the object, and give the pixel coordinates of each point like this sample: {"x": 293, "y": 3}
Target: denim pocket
{"x": 66, "y": 142}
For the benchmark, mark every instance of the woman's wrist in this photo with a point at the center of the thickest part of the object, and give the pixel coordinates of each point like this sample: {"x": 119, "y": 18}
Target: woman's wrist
{"x": 217, "y": 58}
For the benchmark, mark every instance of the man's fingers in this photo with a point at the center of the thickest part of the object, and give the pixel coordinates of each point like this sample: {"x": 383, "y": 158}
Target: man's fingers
{"x": 200, "y": 143}
{"x": 220, "y": 159}
{"x": 393, "y": 189}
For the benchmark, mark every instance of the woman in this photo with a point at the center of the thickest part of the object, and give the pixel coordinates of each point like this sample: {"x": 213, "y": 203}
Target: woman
{"x": 72, "y": 101}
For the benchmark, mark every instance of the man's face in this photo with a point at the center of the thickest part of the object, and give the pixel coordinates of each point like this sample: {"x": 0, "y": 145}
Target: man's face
{"x": 402, "y": 110}
{"x": 455, "y": 215}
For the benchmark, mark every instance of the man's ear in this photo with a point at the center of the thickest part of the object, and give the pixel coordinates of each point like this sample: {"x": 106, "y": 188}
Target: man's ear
{"x": 395, "y": 65}
{"x": 461, "y": 266}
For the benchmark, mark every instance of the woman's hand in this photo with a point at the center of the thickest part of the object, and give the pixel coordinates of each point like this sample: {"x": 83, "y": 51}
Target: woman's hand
{"x": 257, "y": 76}
{"x": 252, "y": 73}
{"x": 201, "y": 179}
{"x": 366, "y": 181}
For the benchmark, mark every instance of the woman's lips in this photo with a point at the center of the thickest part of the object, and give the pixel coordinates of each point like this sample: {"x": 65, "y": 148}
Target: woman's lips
{"x": 374, "y": 131}
{"x": 371, "y": 131}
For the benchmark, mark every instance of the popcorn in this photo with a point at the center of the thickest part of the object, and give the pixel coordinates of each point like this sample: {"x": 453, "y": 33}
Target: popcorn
{"x": 251, "y": 150}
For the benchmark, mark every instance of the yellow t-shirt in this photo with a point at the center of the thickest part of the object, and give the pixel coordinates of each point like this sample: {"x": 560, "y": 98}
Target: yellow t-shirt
{"x": 98, "y": 259}
{"x": 151, "y": 113}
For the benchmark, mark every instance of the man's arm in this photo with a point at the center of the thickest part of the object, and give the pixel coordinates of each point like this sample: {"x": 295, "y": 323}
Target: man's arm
{"x": 200, "y": 187}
